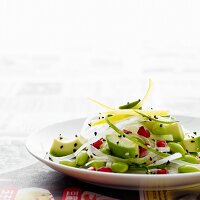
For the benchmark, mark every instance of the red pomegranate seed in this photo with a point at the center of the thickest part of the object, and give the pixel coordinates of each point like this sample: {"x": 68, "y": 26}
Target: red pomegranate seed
{"x": 162, "y": 171}
{"x": 126, "y": 131}
{"x": 105, "y": 169}
{"x": 97, "y": 144}
{"x": 143, "y": 152}
{"x": 143, "y": 132}
{"x": 92, "y": 168}
{"x": 161, "y": 143}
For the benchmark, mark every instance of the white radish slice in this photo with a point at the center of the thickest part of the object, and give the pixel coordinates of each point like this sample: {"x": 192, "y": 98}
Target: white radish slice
{"x": 180, "y": 162}
{"x": 167, "y": 159}
{"x": 163, "y": 149}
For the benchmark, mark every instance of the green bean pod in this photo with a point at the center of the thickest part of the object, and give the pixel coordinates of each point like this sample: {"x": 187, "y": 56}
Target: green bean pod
{"x": 129, "y": 105}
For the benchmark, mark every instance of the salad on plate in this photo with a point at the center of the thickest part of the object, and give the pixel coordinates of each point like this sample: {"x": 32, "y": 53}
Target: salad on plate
{"x": 130, "y": 139}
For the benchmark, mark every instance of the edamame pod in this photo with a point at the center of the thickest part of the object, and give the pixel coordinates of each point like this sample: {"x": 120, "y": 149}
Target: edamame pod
{"x": 191, "y": 159}
{"x": 97, "y": 164}
{"x": 187, "y": 169}
{"x": 81, "y": 158}
{"x": 71, "y": 163}
{"x": 175, "y": 147}
{"x": 119, "y": 167}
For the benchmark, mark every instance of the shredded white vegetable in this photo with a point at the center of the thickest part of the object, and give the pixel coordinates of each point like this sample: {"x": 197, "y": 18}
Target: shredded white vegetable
{"x": 167, "y": 159}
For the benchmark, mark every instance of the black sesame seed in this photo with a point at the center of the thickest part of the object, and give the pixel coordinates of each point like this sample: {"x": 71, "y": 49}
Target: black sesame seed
{"x": 75, "y": 144}
{"x": 155, "y": 117}
{"x": 95, "y": 133}
{"x": 192, "y": 141}
{"x": 124, "y": 136}
{"x": 151, "y": 108}
{"x": 150, "y": 119}
{"x": 119, "y": 136}
{"x": 187, "y": 151}
{"x": 192, "y": 136}
{"x": 195, "y": 132}
{"x": 91, "y": 156}
{"x": 117, "y": 142}
{"x": 150, "y": 158}
{"x": 61, "y": 146}
{"x": 168, "y": 162}
{"x": 60, "y": 138}
{"x": 76, "y": 135}
{"x": 136, "y": 156}
{"x": 104, "y": 140}
{"x": 50, "y": 159}
{"x": 102, "y": 117}
{"x": 154, "y": 161}
{"x": 74, "y": 150}
{"x": 161, "y": 125}
{"x": 89, "y": 124}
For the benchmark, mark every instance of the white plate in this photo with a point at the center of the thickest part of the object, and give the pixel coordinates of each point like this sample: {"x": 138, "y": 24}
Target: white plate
{"x": 39, "y": 143}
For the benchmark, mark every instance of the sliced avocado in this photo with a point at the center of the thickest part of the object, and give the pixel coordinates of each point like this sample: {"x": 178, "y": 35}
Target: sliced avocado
{"x": 148, "y": 124}
{"x": 121, "y": 146}
{"x": 174, "y": 129}
{"x": 64, "y": 146}
{"x": 191, "y": 144}
{"x": 158, "y": 131}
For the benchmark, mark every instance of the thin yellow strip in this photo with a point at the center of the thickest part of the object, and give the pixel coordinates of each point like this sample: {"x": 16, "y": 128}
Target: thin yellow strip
{"x": 113, "y": 119}
{"x": 132, "y": 112}
{"x": 101, "y": 104}
{"x": 139, "y": 105}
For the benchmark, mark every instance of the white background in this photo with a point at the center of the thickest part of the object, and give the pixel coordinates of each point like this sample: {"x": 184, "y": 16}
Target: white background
{"x": 55, "y": 54}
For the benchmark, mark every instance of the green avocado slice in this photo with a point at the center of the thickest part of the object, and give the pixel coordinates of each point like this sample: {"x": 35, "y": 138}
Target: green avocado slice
{"x": 63, "y": 146}
{"x": 161, "y": 129}
{"x": 191, "y": 144}
{"x": 121, "y": 146}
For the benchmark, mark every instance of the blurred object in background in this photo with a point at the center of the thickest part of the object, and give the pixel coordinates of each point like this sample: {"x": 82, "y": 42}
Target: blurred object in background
{"x": 55, "y": 54}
